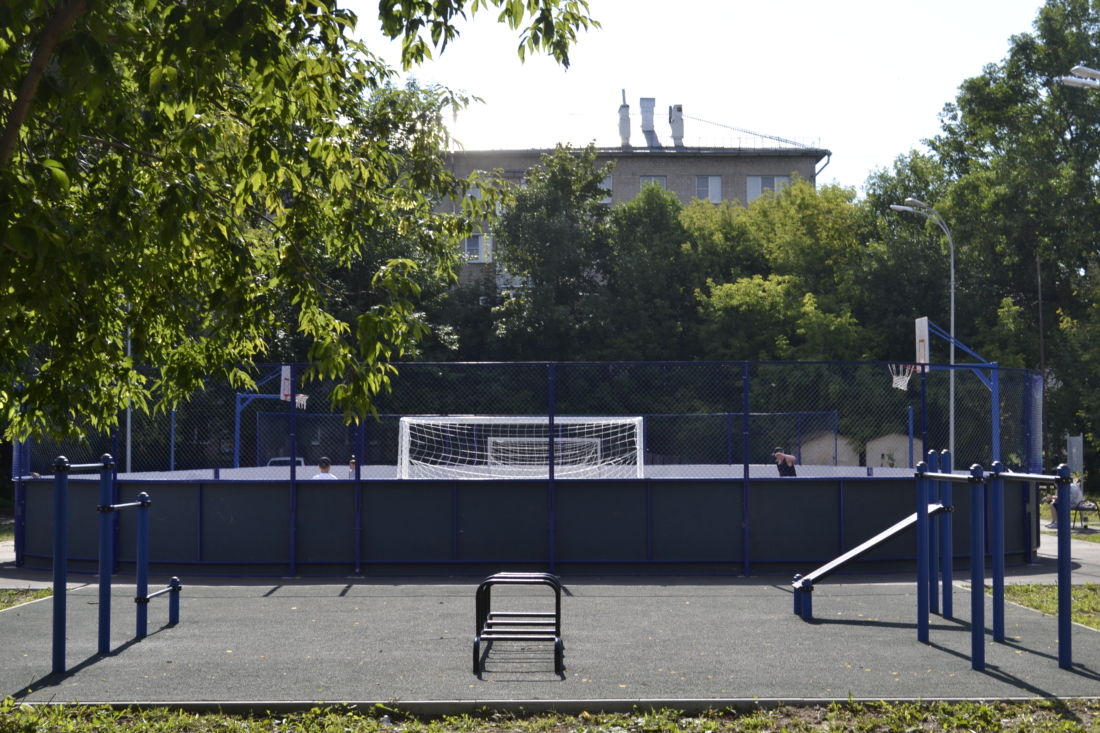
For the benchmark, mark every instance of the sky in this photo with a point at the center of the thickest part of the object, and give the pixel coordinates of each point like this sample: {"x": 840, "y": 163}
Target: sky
{"x": 865, "y": 79}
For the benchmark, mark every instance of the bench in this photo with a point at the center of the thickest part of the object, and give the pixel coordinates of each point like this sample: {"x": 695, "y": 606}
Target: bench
{"x": 529, "y": 626}
{"x": 1080, "y": 513}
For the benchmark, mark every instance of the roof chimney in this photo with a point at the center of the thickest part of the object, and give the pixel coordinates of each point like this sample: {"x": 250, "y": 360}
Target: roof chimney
{"x": 676, "y": 122}
{"x": 647, "y": 104}
{"x": 624, "y": 123}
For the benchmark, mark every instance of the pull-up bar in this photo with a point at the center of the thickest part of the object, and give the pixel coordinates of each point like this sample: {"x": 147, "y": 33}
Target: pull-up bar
{"x": 977, "y": 478}
{"x": 62, "y": 468}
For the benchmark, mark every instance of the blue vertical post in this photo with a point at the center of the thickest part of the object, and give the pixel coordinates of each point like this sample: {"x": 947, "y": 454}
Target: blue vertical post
{"x": 172, "y": 443}
{"x": 361, "y": 448}
{"x": 997, "y": 547}
{"x": 729, "y": 438}
{"x": 933, "y": 537}
{"x": 237, "y": 428}
{"x": 551, "y": 496}
{"x": 60, "y": 557}
{"x": 745, "y": 458}
{"x": 141, "y": 597}
{"x": 977, "y": 568}
{"x": 922, "y": 553}
{"x": 995, "y": 417}
{"x": 1065, "y": 579}
{"x": 947, "y": 538}
{"x": 106, "y": 559}
{"x": 924, "y": 404}
{"x": 293, "y": 471}
{"x": 174, "y": 601}
{"x": 910, "y": 436}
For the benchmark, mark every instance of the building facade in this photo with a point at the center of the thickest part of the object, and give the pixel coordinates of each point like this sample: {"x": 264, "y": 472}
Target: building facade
{"x": 713, "y": 174}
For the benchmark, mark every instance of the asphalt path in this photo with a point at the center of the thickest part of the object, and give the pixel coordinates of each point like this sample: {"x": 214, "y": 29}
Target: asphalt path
{"x": 670, "y": 643}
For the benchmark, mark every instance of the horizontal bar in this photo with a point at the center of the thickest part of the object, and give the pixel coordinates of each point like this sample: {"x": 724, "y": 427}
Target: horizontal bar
{"x": 1036, "y": 477}
{"x": 161, "y": 592}
{"x": 959, "y": 478}
{"x": 127, "y": 506}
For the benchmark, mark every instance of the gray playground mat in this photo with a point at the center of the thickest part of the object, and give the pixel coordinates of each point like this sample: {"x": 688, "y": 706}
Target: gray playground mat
{"x": 682, "y": 644}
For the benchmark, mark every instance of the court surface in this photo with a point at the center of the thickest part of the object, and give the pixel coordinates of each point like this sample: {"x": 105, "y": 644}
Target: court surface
{"x": 683, "y": 643}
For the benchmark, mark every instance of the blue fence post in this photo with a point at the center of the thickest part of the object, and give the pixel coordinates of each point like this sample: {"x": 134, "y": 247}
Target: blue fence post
{"x": 1065, "y": 579}
{"x": 745, "y": 443}
{"x": 60, "y": 557}
{"x": 911, "y": 436}
{"x": 995, "y": 404}
{"x": 922, "y": 553}
{"x": 933, "y": 537}
{"x": 947, "y": 538}
{"x": 174, "y": 601}
{"x": 142, "y": 596}
{"x": 293, "y": 566}
{"x": 977, "y": 568}
{"x": 106, "y": 556}
{"x": 551, "y": 496}
{"x": 172, "y": 443}
{"x": 997, "y": 546}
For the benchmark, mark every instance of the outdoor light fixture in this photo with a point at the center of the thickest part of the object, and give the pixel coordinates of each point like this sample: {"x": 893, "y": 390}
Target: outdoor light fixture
{"x": 1083, "y": 77}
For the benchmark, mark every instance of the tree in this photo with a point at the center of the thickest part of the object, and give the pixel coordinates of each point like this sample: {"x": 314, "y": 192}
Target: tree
{"x": 168, "y": 170}
{"x": 555, "y": 239}
{"x": 1023, "y": 153}
{"x": 801, "y": 307}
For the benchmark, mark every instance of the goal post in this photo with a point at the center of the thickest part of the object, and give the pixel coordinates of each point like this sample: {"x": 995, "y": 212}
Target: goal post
{"x": 517, "y": 447}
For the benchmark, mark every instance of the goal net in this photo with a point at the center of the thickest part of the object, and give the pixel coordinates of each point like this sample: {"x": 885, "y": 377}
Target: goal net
{"x": 474, "y": 446}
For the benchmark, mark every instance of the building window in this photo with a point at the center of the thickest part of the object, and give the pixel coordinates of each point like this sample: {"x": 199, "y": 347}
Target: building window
{"x": 659, "y": 180}
{"x": 607, "y": 186}
{"x": 757, "y": 185}
{"x": 709, "y": 188}
{"x": 478, "y": 248}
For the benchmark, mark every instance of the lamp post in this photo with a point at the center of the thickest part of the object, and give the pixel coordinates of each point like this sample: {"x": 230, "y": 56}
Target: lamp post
{"x": 916, "y": 206}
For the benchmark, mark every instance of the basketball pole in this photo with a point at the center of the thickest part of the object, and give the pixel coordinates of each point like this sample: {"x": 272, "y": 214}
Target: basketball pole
{"x": 931, "y": 214}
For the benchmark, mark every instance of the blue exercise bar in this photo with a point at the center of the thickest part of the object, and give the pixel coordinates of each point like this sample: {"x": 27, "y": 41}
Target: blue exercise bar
{"x": 922, "y": 552}
{"x": 977, "y": 567}
{"x": 997, "y": 547}
{"x": 106, "y": 466}
{"x": 947, "y": 545}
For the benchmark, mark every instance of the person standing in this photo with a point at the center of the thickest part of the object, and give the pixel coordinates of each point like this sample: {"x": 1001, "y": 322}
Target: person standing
{"x": 326, "y": 467}
{"x": 785, "y": 463}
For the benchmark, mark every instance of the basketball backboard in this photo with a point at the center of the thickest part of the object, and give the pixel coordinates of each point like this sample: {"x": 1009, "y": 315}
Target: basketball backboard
{"x": 922, "y": 341}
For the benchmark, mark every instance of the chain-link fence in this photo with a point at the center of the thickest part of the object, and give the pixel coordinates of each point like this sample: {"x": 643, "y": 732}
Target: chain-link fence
{"x": 713, "y": 419}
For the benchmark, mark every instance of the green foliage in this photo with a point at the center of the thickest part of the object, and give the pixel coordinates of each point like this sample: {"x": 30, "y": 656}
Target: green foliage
{"x": 555, "y": 239}
{"x": 799, "y": 309}
{"x": 1068, "y": 716}
{"x": 185, "y": 176}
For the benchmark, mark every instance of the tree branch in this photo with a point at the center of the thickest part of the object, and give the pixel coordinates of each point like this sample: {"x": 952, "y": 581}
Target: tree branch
{"x": 58, "y": 24}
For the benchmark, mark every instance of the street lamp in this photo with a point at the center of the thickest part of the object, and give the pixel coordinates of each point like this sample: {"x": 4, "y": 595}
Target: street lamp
{"x": 916, "y": 206}
{"x": 1083, "y": 77}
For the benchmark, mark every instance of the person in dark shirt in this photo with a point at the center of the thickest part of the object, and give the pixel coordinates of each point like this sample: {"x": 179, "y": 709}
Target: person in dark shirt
{"x": 784, "y": 463}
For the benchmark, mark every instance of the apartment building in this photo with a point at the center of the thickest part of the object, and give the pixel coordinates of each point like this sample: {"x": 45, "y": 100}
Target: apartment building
{"x": 715, "y": 174}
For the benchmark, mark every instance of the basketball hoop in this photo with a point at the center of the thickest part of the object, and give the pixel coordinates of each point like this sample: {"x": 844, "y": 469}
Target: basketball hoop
{"x": 299, "y": 400}
{"x": 901, "y": 374}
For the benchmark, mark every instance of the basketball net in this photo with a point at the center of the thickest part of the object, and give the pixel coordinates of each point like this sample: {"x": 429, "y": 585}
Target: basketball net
{"x": 299, "y": 400}
{"x": 901, "y": 373}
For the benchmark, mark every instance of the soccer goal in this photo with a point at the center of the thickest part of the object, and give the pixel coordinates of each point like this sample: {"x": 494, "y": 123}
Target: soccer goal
{"x": 475, "y": 446}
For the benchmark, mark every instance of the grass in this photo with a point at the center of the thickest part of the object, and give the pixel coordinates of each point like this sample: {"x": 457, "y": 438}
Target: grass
{"x": 1066, "y": 716}
{"x": 13, "y": 597}
{"x": 1044, "y": 598}
{"x": 7, "y": 532}
{"x": 1090, "y": 535}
